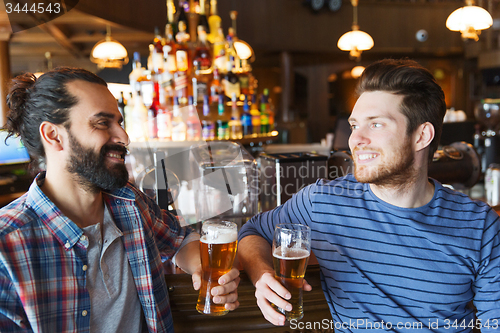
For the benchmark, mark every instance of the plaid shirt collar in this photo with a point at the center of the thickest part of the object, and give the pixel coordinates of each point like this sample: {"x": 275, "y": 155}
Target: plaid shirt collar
{"x": 63, "y": 229}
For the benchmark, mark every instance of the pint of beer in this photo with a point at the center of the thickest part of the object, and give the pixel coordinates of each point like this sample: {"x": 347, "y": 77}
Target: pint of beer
{"x": 291, "y": 250}
{"x": 217, "y": 249}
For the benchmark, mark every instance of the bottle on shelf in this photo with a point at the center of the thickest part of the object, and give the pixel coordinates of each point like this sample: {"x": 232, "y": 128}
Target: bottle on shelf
{"x": 181, "y": 15}
{"x": 164, "y": 118}
{"x": 207, "y": 122}
{"x": 157, "y": 54}
{"x": 202, "y": 53}
{"x": 202, "y": 19}
{"x": 214, "y": 22}
{"x": 255, "y": 113}
{"x": 193, "y": 124}
{"x": 230, "y": 81}
{"x": 246, "y": 119}
{"x": 178, "y": 125}
{"x": 182, "y": 60}
{"x": 199, "y": 83}
{"x": 222, "y": 121}
{"x": 269, "y": 110}
{"x": 153, "y": 111}
{"x": 235, "y": 130}
{"x": 136, "y": 75}
{"x": 215, "y": 87}
{"x": 137, "y": 128}
{"x": 264, "y": 118}
{"x": 127, "y": 121}
{"x": 169, "y": 66}
{"x": 219, "y": 51}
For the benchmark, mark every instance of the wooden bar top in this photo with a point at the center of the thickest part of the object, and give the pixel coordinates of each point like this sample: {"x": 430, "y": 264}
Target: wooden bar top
{"x": 247, "y": 318}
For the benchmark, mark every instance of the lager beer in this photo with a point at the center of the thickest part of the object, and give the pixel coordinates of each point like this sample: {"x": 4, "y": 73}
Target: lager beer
{"x": 291, "y": 250}
{"x": 289, "y": 269}
{"x": 217, "y": 251}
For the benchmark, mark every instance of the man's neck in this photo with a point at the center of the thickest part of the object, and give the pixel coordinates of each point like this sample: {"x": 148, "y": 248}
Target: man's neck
{"x": 413, "y": 194}
{"x": 80, "y": 205}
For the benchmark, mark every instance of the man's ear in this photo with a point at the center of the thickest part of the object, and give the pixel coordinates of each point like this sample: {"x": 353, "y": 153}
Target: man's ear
{"x": 52, "y": 136}
{"x": 424, "y": 136}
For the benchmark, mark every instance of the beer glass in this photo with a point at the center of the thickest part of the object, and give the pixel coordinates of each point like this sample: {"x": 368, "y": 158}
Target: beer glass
{"x": 291, "y": 250}
{"x": 217, "y": 250}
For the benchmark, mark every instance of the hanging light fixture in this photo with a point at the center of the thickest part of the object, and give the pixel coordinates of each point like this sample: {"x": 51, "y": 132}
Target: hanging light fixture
{"x": 242, "y": 48}
{"x": 355, "y": 41}
{"x": 469, "y": 20}
{"x": 109, "y": 53}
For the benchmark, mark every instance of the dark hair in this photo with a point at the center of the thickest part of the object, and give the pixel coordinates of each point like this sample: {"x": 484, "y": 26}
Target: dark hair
{"x": 32, "y": 101}
{"x": 423, "y": 99}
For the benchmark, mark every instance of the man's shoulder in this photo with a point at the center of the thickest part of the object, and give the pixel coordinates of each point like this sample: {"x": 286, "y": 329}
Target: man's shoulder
{"x": 451, "y": 199}
{"x": 15, "y": 215}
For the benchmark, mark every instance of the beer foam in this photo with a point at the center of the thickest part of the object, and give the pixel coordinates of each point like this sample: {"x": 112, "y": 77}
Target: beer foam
{"x": 219, "y": 236}
{"x": 289, "y": 254}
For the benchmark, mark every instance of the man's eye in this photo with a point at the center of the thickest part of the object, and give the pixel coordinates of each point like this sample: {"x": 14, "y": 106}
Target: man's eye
{"x": 377, "y": 125}
{"x": 353, "y": 127}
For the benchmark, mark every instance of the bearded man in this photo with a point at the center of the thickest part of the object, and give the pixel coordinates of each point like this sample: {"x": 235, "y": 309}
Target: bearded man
{"x": 397, "y": 250}
{"x": 82, "y": 250}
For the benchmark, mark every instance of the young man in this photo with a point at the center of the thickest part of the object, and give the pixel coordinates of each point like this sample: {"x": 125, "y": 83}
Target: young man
{"x": 82, "y": 250}
{"x": 397, "y": 250}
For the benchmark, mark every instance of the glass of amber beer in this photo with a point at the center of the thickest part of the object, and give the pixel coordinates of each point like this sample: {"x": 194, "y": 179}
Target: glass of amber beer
{"x": 217, "y": 250}
{"x": 291, "y": 250}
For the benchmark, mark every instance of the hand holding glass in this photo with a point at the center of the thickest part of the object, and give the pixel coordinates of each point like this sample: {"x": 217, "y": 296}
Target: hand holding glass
{"x": 291, "y": 250}
{"x": 217, "y": 250}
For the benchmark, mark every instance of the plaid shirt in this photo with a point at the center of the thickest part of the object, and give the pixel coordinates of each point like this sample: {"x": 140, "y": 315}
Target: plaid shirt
{"x": 43, "y": 259}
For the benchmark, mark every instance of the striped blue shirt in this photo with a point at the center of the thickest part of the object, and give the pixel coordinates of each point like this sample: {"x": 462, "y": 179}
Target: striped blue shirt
{"x": 387, "y": 268}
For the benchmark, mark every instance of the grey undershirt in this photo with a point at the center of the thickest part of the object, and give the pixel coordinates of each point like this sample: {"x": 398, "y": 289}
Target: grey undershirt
{"x": 115, "y": 305}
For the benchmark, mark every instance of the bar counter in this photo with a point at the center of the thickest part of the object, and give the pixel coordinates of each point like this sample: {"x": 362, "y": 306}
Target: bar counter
{"x": 247, "y": 318}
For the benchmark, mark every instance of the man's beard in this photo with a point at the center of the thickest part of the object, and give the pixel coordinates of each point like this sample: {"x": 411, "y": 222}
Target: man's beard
{"x": 398, "y": 171}
{"x": 90, "y": 167}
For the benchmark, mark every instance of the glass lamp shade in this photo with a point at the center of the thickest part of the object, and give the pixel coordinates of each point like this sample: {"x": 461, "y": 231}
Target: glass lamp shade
{"x": 465, "y": 18}
{"x": 243, "y": 49}
{"x": 109, "y": 53}
{"x": 355, "y": 40}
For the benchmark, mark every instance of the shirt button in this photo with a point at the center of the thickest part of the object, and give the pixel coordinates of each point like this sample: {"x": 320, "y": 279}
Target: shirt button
{"x": 106, "y": 276}
{"x": 84, "y": 313}
{"x": 83, "y": 238}
{"x": 118, "y": 201}
{"x": 84, "y": 267}
{"x": 67, "y": 245}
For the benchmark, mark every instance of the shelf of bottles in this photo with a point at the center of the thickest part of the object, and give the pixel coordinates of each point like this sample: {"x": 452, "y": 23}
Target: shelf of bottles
{"x": 198, "y": 84}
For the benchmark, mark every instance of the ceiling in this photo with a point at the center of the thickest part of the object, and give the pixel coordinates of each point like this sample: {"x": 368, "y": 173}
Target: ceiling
{"x": 269, "y": 26}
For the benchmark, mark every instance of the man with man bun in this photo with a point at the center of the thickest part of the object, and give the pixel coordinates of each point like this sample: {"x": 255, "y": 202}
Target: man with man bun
{"x": 82, "y": 250}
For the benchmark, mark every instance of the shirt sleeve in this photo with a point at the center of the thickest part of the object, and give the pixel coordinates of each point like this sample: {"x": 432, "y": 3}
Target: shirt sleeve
{"x": 167, "y": 231}
{"x": 296, "y": 210}
{"x": 487, "y": 282}
{"x": 12, "y": 315}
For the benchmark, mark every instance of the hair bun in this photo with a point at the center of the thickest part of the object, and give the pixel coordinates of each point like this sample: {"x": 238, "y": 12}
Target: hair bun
{"x": 19, "y": 93}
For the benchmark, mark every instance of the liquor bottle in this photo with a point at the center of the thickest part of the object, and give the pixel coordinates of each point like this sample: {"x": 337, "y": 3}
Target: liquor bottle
{"x": 164, "y": 118}
{"x": 169, "y": 65}
{"x": 202, "y": 52}
{"x": 128, "y": 114}
{"x": 219, "y": 51}
{"x": 264, "y": 119}
{"x": 202, "y": 19}
{"x": 214, "y": 22}
{"x": 230, "y": 51}
{"x": 235, "y": 131}
{"x": 178, "y": 124}
{"x": 254, "y": 111}
{"x": 153, "y": 111}
{"x": 246, "y": 119}
{"x": 245, "y": 76}
{"x": 199, "y": 83}
{"x": 157, "y": 54}
{"x": 193, "y": 124}
{"x": 182, "y": 61}
{"x": 215, "y": 87}
{"x": 230, "y": 81}
{"x": 269, "y": 110}
{"x": 138, "y": 128}
{"x": 207, "y": 123}
{"x": 122, "y": 102}
{"x": 136, "y": 75}
{"x": 181, "y": 15}
{"x": 222, "y": 121}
